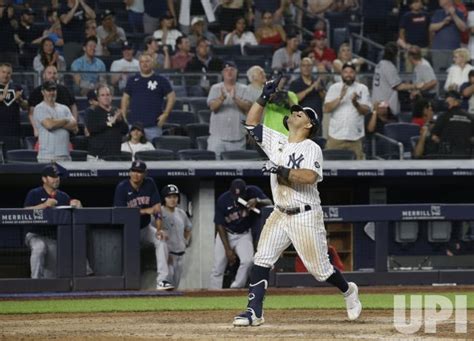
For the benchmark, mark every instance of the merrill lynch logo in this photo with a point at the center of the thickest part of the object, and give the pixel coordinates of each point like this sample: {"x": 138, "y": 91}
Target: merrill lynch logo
{"x": 23, "y": 218}
{"x": 434, "y": 211}
{"x": 332, "y": 213}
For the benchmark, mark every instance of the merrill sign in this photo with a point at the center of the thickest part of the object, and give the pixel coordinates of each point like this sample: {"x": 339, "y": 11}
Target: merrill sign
{"x": 36, "y": 216}
{"x": 433, "y": 212}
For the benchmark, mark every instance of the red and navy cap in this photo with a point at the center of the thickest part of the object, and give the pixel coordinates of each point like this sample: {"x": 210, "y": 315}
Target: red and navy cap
{"x": 138, "y": 166}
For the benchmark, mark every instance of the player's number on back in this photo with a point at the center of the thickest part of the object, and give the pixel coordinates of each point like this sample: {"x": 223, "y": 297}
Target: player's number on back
{"x": 376, "y": 79}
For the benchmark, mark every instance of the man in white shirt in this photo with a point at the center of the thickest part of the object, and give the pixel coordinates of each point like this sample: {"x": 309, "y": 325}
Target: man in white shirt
{"x": 347, "y": 101}
{"x": 127, "y": 64}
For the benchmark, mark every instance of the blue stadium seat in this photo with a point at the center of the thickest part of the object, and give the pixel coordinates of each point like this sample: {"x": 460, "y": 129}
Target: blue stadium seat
{"x": 180, "y": 90}
{"x": 30, "y": 142}
{"x": 196, "y": 154}
{"x": 241, "y": 155}
{"x": 246, "y": 62}
{"x": 226, "y": 51}
{"x": 402, "y": 132}
{"x": 21, "y": 156}
{"x": 195, "y": 130}
{"x": 198, "y": 103}
{"x": 78, "y": 155}
{"x": 123, "y": 156}
{"x": 173, "y": 143}
{"x": 201, "y": 142}
{"x": 155, "y": 155}
{"x": 406, "y": 231}
{"x": 264, "y": 51}
{"x": 439, "y": 231}
{"x": 181, "y": 117}
{"x": 338, "y": 154}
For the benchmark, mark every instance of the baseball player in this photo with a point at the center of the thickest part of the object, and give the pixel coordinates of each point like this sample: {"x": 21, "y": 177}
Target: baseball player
{"x": 234, "y": 238}
{"x": 43, "y": 248}
{"x": 178, "y": 228}
{"x": 295, "y": 163}
{"x": 140, "y": 191}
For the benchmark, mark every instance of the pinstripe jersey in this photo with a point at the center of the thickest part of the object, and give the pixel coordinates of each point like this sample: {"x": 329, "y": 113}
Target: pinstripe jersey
{"x": 301, "y": 155}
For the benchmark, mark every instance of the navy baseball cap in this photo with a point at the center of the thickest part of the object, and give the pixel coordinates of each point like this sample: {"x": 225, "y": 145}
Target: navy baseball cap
{"x": 237, "y": 187}
{"x": 138, "y": 126}
{"x": 126, "y": 46}
{"x": 138, "y": 166}
{"x": 51, "y": 171}
{"x": 29, "y": 11}
{"x": 49, "y": 85}
{"x": 349, "y": 64}
{"x": 92, "y": 95}
{"x": 229, "y": 63}
{"x": 313, "y": 117}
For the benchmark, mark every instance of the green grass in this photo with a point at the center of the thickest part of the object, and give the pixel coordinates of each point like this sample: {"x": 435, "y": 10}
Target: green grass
{"x": 372, "y": 301}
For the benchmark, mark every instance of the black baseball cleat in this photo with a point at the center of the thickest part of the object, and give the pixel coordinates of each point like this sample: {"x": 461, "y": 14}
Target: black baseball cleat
{"x": 248, "y": 318}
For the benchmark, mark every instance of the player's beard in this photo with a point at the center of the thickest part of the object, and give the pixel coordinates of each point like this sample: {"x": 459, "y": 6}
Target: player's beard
{"x": 349, "y": 81}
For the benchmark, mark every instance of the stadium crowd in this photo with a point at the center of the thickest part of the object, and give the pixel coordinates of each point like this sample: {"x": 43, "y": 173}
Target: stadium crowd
{"x": 151, "y": 80}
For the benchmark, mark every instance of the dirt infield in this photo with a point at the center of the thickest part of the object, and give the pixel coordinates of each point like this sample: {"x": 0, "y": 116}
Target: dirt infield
{"x": 217, "y": 325}
{"x": 211, "y": 325}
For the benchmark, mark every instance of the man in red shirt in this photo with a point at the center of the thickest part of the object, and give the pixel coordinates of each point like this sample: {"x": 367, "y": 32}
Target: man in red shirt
{"x": 321, "y": 53}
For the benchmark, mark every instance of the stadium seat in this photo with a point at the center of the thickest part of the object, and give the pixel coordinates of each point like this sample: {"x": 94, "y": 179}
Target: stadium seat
{"x": 226, "y": 51}
{"x": 79, "y": 142}
{"x": 201, "y": 142}
{"x": 30, "y": 142}
{"x": 78, "y": 155}
{"x": 196, "y": 91}
{"x": 181, "y": 104}
{"x": 123, "y": 156}
{"x": 10, "y": 142}
{"x": 339, "y": 36}
{"x": 155, "y": 155}
{"x": 22, "y": 155}
{"x": 338, "y": 154}
{"x": 173, "y": 143}
{"x": 198, "y": 103}
{"x": 195, "y": 130}
{"x": 320, "y": 141}
{"x": 196, "y": 154}
{"x": 181, "y": 117}
{"x": 204, "y": 115}
{"x": 402, "y": 132}
{"x": 241, "y": 155}
{"x": 263, "y": 51}
{"x": 413, "y": 142}
{"x": 180, "y": 90}
{"x": 246, "y": 62}
{"x": 406, "y": 231}
{"x": 439, "y": 231}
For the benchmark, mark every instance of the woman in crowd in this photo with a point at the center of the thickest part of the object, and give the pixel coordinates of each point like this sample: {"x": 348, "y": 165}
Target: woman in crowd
{"x": 270, "y": 33}
{"x": 458, "y": 72}
{"x": 47, "y": 56}
{"x": 344, "y": 55}
{"x": 136, "y": 141}
{"x": 240, "y": 36}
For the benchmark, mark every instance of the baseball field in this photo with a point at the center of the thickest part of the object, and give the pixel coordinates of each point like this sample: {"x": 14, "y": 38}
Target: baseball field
{"x": 300, "y": 313}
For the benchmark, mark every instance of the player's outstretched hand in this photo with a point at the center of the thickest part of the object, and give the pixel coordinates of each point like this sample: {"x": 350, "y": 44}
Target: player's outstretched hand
{"x": 269, "y": 89}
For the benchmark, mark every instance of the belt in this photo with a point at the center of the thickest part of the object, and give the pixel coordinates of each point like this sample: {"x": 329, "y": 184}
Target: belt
{"x": 294, "y": 210}
{"x": 177, "y": 253}
{"x": 233, "y": 232}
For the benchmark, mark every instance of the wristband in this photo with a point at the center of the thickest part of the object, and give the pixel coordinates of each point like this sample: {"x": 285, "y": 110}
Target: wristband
{"x": 283, "y": 172}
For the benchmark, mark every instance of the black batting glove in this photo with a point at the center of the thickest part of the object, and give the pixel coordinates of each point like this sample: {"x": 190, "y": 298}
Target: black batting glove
{"x": 269, "y": 89}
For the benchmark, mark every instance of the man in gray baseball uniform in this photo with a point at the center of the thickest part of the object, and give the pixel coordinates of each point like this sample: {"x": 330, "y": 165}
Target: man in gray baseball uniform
{"x": 295, "y": 163}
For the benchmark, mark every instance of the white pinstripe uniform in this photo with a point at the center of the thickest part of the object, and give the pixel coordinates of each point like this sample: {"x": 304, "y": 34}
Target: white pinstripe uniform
{"x": 306, "y": 229}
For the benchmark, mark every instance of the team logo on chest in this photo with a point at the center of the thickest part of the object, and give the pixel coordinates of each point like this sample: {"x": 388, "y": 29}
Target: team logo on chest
{"x": 152, "y": 85}
{"x": 294, "y": 162}
{"x": 9, "y": 98}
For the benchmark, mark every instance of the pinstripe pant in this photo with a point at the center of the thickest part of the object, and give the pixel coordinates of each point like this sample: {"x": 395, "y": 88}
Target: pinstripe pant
{"x": 307, "y": 233}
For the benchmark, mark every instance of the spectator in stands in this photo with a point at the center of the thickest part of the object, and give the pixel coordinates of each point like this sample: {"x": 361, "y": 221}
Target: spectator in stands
{"x": 348, "y": 102}
{"x": 154, "y": 10}
{"x": 386, "y": 82}
{"x": 467, "y": 91}
{"x": 48, "y": 56}
{"x": 167, "y": 34}
{"x": 135, "y": 10}
{"x": 93, "y": 104}
{"x": 414, "y": 30}
{"x": 106, "y": 126}
{"x": 239, "y": 36}
{"x": 287, "y": 58}
{"x": 447, "y": 24}
{"x": 425, "y": 146}
{"x": 160, "y": 60}
{"x": 109, "y": 33}
{"x": 91, "y": 31}
{"x": 199, "y": 31}
{"x": 11, "y": 100}
{"x": 126, "y": 65}
{"x": 28, "y": 37}
{"x": 234, "y": 239}
{"x": 144, "y": 94}
{"x": 182, "y": 56}
{"x": 203, "y": 61}
{"x": 278, "y": 107}
{"x": 43, "y": 246}
{"x": 140, "y": 191}
{"x": 422, "y": 112}
{"x": 88, "y": 63}
{"x": 275, "y": 8}
{"x": 270, "y": 33}
{"x": 229, "y": 104}
{"x": 257, "y": 78}
{"x": 381, "y": 115}
{"x": 136, "y": 140}
{"x": 54, "y": 122}
{"x": 344, "y": 55}
{"x": 321, "y": 53}
{"x": 55, "y": 32}
{"x": 7, "y": 43}
{"x": 178, "y": 227}
{"x": 231, "y": 9}
{"x": 309, "y": 90}
{"x": 73, "y": 15}
{"x": 454, "y": 130}
{"x": 459, "y": 71}
{"x": 63, "y": 95}
{"x": 424, "y": 76}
